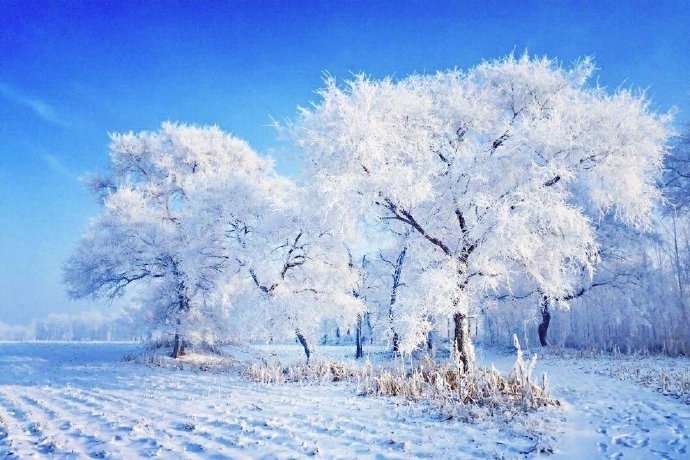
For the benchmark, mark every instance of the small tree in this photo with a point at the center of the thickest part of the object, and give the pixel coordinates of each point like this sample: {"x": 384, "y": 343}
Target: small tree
{"x": 676, "y": 186}
{"x": 396, "y": 281}
{"x": 618, "y": 270}
{"x": 296, "y": 274}
{"x": 157, "y": 227}
{"x": 481, "y": 167}
{"x": 676, "y": 180}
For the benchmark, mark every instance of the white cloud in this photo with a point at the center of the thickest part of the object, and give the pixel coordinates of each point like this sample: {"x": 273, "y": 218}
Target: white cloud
{"x": 56, "y": 165}
{"x": 45, "y": 111}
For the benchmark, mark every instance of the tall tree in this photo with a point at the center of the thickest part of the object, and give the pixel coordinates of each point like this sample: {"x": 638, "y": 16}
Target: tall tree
{"x": 481, "y": 167}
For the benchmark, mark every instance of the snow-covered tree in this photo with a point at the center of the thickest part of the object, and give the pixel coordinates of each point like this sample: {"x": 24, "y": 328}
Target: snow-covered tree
{"x": 619, "y": 273}
{"x": 481, "y": 167}
{"x": 296, "y": 273}
{"x": 642, "y": 280}
{"x": 676, "y": 225}
{"x": 157, "y": 227}
{"x": 676, "y": 181}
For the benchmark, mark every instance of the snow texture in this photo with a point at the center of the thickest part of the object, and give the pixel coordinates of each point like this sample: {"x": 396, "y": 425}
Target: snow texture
{"x": 81, "y": 400}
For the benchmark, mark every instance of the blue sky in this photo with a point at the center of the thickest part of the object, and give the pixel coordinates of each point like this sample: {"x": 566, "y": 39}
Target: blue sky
{"x": 73, "y": 71}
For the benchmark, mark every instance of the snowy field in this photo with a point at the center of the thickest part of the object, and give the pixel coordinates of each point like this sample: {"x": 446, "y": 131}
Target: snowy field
{"x": 81, "y": 400}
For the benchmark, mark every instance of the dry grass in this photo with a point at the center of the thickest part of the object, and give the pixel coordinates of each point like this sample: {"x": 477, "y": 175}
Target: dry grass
{"x": 190, "y": 361}
{"x": 445, "y": 384}
{"x": 665, "y": 374}
{"x": 671, "y": 379}
{"x": 317, "y": 372}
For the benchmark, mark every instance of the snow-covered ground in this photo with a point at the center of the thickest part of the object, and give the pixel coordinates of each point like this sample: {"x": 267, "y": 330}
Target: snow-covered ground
{"x": 81, "y": 400}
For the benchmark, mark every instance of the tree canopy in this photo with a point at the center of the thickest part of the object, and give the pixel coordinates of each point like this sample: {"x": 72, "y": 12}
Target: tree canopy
{"x": 484, "y": 169}
{"x": 483, "y": 182}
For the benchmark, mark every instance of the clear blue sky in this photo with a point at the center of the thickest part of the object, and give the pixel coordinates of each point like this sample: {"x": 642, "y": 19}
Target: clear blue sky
{"x": 73, "y": 71}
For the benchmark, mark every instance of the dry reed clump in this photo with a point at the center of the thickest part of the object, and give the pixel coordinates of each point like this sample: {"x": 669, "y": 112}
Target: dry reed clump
{"x": 447, "y": 385}
{"x": 443, "y": 384}
{"x": 317, "y": 372}
{"x": 189, "y": 361}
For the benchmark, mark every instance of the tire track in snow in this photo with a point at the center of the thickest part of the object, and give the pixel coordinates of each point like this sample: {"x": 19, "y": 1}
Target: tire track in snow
{"x": 299, "y": 420}
{"x": 151, "y": 428}
{"x": 225, "y": 427}
{"x": 74, "y": 422}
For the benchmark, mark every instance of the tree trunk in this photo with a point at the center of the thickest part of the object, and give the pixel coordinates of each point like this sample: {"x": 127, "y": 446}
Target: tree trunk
{"x": 305, "y": 344}
{"x": 396, "y": 344}
{"x": 462, "y": 344}
{"x": 359, "y": 349}
{"x": 182, "y": 307}
{"x": 178, "y": 347}
{"x": 394, "y": 295}
{"x": 679, "y": 275}
{"x": 545, "y": 320}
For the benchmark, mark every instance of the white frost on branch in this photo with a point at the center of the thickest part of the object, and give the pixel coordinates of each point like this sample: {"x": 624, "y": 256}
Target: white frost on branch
{"x": 493, "y": 171}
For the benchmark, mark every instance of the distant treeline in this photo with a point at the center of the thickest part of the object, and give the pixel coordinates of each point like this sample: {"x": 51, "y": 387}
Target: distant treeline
{"x": 86, "y": 326}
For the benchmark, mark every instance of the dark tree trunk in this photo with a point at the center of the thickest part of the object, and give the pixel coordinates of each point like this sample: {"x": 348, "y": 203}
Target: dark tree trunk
{"x": 303, "y": 341}
{"x": 359, "y": 339}
{"x": 396, "y": 344}
{"x": 394, "y": 295}
{"x": 178, "y": 347}
{"x": 462, "y": 345}
{"x": 543, "y": 328}
{"x": 182, "y": 307}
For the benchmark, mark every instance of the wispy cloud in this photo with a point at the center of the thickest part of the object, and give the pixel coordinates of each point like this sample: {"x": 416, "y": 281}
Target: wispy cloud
{"x": 45, "y": 111}
{"x": 56, "y": 165}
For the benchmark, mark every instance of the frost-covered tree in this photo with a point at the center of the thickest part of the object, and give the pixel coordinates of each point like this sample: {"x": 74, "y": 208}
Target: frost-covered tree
{"x": 633, "y": 302}
{"x": 396, "y": 281}
{"x": 676, "y": 181}
{"x": 641, "y": 280}
{"x": 619, "y": 272}
{"x": 381, "y": 280}
{"x": 157, "y": 229}
{"x": 481, "y": 167}
{"x": 676, "y": 225}
{"x": 294, "y": 274}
